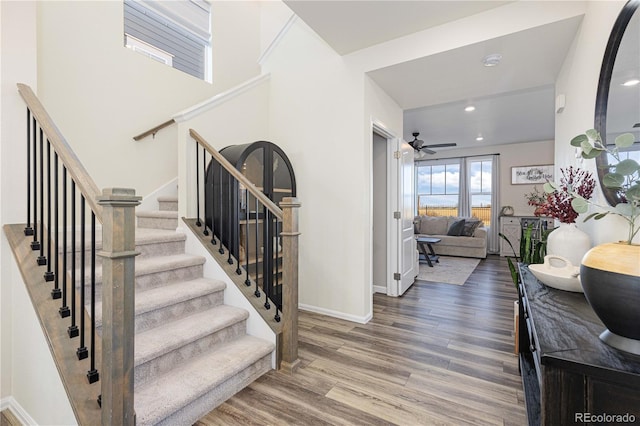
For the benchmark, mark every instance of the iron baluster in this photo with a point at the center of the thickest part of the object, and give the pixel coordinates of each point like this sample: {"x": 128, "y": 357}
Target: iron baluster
{"x": 204, "y": 184}
{"x": 247, "y": 281}
{"x": 42, "y": 260}
{"x": 73, "y": 328}
{"x": 55, "y": 293}
{"x": 35, "y": 244}
{"x": 82, "y": 352}
{"x": 257, "y": 292}
{"x": 221, "y": 206}
{"x": 64, "y": 310}
{"x": 230, "y": 236}
{"x": 28, "y": 230}
{"x": 198, "y": 223}
{"x": 213, "y": 206}
{"x": 267, "y": 259}
{"x": 48, "y": 276}
{"x": 92, "y": 374}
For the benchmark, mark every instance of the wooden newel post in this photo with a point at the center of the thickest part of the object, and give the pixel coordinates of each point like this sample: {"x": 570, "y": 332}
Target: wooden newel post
{"x": 289, "y": 234}
{"x": 118, "y": 300}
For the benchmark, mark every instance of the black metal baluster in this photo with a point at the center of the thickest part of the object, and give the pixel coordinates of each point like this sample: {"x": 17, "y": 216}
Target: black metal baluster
{"x": 82, "y": 351}
{"x": 48, "y": 276}
{"x": 204, "y": 185}
{"x": 42, "y": 260}
{"x": 28, "y": 230}
{"x": 198, "y": 223}
{"x": 92, "y": 374}
{"x": 257, "y": 292}
{"x": 73, "y": 328}
{"x": 228, "y": 205}
{"x": 267, "y": 257}
{"x": 237, "y": 233}
{"x": 56, "y": 293}
{"x": 64, "y": 310}
{"x": 35, "y": 244}
{"x": 221, "y": 249}
{"x": 247, "y": 281}
{"x": 278, "y": 290}
{"x": 213, "y": 205}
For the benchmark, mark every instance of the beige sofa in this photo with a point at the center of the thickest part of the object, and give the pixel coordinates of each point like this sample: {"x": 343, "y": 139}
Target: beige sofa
{"x": 453, "y": 245}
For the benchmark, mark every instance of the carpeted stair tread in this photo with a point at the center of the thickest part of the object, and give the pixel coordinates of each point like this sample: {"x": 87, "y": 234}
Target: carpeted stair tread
{"x": 170, "y": 392}
{"x": 158, "y": 214}
{"x": 171, "y": 294}
{"x": 157, "y": 341}
{"x": 144, "y": 236}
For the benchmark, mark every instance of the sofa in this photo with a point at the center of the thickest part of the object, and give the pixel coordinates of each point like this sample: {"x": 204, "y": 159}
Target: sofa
{"x": 464, "y": 237}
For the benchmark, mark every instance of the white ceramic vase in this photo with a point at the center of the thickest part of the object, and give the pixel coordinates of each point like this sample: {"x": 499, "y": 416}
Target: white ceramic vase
{"x": 569, "y": 242}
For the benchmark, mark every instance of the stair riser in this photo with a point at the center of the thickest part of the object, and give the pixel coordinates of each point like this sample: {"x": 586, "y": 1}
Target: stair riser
{"x": 201, "y": 406}
{"x": 157, "y": 223}
{"x": 179, "y": 356}
{"x": 161, "y": 248}
{"x": 148, "y": 281}
{"x": 170, "y": 313}
{"x": 170, "y": 206}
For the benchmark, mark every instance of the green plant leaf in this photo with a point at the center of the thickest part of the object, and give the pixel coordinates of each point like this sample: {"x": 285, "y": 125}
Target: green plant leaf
{"x": 613, "y": 180}
{"x": 624, "y": 209}
{"x": 593, "y": 152}
{"x": 627, "y": 167}
{"x": 580, "y": 205}
{"x": 577, "y": 141}
{"x": 549, "y": 187}
{"x": 513, "y": 270}
{"x": 593, "y": 134}
{"x": 601, "y": 215}
{"x": 633, "y": 193}
{"x": 591, "y": 216}
{"x": 625, "y": 140}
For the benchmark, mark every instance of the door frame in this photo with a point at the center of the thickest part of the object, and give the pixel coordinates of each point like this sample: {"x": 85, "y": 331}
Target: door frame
{"x": 379, "y": 128}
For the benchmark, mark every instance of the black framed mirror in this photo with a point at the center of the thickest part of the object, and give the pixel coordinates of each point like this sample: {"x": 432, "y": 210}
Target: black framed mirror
{"x": 618, "y": 96}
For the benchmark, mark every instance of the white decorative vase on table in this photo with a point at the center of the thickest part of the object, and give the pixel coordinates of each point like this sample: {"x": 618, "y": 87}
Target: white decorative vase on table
{"x": 569, "y": 242}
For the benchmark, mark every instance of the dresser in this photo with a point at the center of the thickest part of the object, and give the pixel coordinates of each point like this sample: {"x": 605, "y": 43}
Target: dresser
{"x": 569, "y": 375}
{"x": 511, "y": 227}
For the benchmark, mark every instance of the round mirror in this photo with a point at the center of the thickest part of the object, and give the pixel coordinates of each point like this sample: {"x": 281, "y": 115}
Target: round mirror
{"x": 618, "y": 97}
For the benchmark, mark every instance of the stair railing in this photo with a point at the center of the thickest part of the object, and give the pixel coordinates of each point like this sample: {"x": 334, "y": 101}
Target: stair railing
{"x": 222, "y": 222}
{"x": 70, "y": 261}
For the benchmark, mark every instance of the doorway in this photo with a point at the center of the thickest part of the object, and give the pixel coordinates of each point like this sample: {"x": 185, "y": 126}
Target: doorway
{"x": 380, "y": 212}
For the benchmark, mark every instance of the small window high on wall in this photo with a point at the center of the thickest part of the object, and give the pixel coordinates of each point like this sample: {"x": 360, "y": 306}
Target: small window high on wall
{"x": 176, "y": 33}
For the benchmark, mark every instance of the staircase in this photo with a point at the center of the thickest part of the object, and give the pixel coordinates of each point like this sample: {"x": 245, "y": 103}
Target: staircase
{"x": 191, "y": 351}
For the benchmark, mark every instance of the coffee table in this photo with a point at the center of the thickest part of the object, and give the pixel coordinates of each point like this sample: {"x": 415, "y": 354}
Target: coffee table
{"x": 426, "y": 248}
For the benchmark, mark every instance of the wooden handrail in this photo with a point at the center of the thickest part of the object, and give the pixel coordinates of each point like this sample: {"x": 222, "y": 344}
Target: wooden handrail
{"x": 81, "y": 177}
{"x": 154, "y": 130}
{"x": 273, "y": 208}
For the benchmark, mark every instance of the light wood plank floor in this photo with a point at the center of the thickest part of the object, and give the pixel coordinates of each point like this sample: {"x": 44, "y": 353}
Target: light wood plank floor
{"x": 440, "y": 354}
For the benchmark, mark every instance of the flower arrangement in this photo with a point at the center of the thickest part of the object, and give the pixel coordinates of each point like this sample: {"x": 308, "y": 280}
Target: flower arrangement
{"x": 558, "y": 203}
{"x": 623, "y": 176}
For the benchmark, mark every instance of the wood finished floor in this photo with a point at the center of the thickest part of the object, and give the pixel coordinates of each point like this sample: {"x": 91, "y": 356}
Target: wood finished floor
{"x": 440, "y": 354}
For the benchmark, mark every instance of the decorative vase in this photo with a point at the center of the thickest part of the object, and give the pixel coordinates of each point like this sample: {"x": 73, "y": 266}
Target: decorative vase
{"x": 569, "y": 242}
{"x": 610, "y": 276}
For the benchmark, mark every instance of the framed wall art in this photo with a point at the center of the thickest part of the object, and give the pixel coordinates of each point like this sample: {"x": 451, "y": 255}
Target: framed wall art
{"x": 531, "y": 174}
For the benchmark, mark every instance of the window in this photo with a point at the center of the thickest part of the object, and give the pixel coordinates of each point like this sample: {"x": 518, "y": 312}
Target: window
{"x": 176, "y": 33}
{"x": 437, "y": 188}
{"x": 480, "y": 189}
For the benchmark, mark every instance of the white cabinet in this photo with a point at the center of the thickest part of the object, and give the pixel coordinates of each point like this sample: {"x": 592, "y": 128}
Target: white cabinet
{"x": 510, "y": 227}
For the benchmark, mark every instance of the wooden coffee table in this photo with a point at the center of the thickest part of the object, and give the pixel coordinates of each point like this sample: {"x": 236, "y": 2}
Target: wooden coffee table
{"x": 428, "y": 253}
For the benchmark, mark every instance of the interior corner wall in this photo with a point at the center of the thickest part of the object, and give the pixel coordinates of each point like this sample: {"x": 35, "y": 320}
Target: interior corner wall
{"x": 578, "y": 81}
{"x": 101, "y": 94}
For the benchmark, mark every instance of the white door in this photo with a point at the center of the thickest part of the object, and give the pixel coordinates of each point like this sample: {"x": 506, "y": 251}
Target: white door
{"x": 403, "y": 239}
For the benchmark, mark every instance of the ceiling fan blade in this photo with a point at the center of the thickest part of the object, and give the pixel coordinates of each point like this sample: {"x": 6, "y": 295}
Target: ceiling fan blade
{"x": 427, "y": 150}
{"x": 440, "y": 145}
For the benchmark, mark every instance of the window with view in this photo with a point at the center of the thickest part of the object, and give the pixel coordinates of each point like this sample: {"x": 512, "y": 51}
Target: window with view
{"x": 176, "y": 33}
{"x": 437, "y": 189}
{"x": 480, "y": 189}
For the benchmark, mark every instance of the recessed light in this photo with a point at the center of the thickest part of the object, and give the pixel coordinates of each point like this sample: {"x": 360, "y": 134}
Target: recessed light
{"x": 479, "y": 138}
{"x": 631, "y": 82}
{"x": 470, "y": 108}
{"x": 492, "y": 60}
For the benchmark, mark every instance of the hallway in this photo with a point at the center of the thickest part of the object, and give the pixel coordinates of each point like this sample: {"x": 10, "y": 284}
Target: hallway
{"x": 441, "y": 354}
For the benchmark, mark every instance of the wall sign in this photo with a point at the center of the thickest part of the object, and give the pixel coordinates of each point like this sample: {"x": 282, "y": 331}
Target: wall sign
{"x": 531, "y": 174}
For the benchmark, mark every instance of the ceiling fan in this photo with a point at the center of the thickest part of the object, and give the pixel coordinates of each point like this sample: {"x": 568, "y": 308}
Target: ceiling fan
{"x": 419, "y": 145}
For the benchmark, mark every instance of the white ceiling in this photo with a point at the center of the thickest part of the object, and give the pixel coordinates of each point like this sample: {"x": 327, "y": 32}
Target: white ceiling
{"x": 514, "y": 101}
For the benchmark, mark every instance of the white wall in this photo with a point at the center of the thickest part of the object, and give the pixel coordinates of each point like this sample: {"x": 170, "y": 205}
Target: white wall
{"x": 101, "y": 94}
{"x": 578, "y": 81}
{"x": 511, "y": 155}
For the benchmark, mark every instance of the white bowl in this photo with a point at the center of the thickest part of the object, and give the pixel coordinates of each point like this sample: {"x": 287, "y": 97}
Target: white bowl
{"x": 563, "y": 277}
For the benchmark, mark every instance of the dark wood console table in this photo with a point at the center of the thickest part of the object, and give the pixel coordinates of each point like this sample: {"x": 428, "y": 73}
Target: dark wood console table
{"x": 569, "y": 375}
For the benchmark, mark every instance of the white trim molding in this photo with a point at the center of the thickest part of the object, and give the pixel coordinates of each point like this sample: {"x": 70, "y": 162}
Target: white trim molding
{"x": 16, "y": 409}
{"x": 276, "y": 40}
{"x": 336, "y": 314}
{"x": 219, "y": 99}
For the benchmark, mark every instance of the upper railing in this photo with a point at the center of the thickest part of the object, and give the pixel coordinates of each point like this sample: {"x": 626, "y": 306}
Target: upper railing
{"x": 58, "y": 229}
{"x": 245, "y": 225}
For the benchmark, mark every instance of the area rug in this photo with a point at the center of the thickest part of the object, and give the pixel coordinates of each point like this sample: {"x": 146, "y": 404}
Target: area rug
{"x": 450, "y": 270}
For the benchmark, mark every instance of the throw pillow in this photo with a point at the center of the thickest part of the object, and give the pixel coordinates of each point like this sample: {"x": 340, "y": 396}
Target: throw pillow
{"x": 456, "y": 228}
{"x": 433, "y": 225}
{"x": 470, "y": 227}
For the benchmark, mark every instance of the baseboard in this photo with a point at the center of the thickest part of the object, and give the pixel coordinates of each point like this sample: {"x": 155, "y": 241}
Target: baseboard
{"x": 336, "y": 314}
{"x": 380, "y": 289}
{"x": 10, "y": 403}
{"x": 150, "y": 201}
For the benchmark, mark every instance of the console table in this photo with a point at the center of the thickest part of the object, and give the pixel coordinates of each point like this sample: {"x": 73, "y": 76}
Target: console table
{"x": 569, "y": 375}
